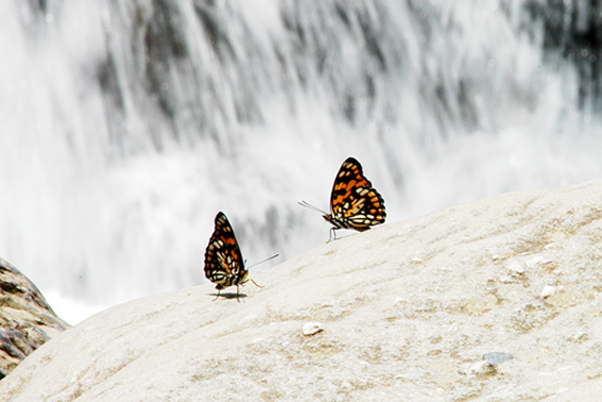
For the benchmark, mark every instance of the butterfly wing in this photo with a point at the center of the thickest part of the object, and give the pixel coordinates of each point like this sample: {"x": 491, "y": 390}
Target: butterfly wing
{"x": 224, "y": 264}
{"x": 354, "y": 203}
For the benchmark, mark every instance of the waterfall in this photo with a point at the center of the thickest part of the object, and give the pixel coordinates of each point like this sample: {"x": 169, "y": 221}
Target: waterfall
{"x": 127, "y": 125}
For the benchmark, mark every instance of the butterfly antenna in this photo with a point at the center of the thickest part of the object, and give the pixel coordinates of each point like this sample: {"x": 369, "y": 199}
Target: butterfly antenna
{"x": 262, "y": 261}
{"x": 312, "y": 207}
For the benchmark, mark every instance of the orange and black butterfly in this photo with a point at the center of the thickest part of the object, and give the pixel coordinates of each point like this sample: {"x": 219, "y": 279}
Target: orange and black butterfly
{"x": 354, "y": 203}
{"x": 224, "y": 264}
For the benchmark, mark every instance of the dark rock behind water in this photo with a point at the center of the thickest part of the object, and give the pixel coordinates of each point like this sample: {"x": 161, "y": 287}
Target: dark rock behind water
{"x": 573, "y": 30}
{"x": 27, "y": 321}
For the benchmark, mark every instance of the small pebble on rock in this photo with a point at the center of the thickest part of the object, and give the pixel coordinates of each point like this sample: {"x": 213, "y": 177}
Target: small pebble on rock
{"x": 312, "y": 328}
{"x": 547, "y": 291}
{"x": 497, "y": 358}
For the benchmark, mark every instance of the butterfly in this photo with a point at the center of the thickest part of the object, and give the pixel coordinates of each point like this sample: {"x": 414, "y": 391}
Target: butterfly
{"x": 354, "y": 203}
{"x": 224, "y": 264}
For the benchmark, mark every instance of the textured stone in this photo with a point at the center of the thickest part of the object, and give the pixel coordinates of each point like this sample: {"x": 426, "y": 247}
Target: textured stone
{"x": 26, "y": 319}
{"x": 409, "y": 310}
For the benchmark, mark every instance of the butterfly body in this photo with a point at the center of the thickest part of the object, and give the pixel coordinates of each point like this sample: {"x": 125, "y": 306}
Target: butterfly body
{"x": 354, "y": 203}
{"x": 224, "y": 264}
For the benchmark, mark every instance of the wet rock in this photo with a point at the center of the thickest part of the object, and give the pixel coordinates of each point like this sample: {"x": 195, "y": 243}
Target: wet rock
{"x": 26, "y": 319}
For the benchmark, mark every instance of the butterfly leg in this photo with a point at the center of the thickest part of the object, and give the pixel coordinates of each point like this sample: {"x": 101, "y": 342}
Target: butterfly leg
{"x": 217, "y": 297}
{"x": 255, "y": 284}
{"x": 237, "y": 293}
{"x": 333, "y": 234}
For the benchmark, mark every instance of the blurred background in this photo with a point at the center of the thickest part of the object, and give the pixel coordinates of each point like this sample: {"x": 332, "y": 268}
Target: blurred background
{"x": 125, "y": 126}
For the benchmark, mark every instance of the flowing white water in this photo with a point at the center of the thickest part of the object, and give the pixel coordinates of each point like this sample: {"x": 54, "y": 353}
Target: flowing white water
{"x": 125, "y": 126}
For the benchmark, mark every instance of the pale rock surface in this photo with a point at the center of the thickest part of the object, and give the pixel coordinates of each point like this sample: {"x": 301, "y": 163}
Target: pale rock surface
{"x": 408, "y": 311}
